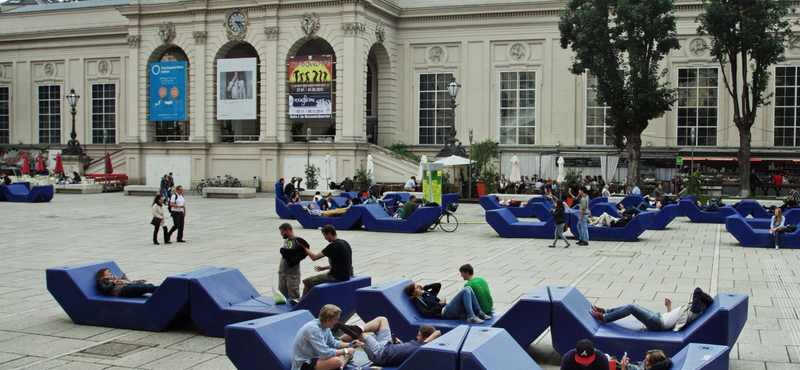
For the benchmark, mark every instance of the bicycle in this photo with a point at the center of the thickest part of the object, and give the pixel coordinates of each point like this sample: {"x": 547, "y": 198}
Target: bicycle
{"x": 447, "y": 221}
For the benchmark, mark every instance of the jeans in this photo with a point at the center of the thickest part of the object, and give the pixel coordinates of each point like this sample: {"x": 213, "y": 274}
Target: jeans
{"x": 464, "y": 304}
{"x": 713, "y": 207}
{"x": 643, "y": 206}
{"x": 136, "y": 290}
{"x": 550, "y": 198}
{"x": 583, "y": 228}
{"x": 650, "y": 319}
{"x": 631, "y": 211}
{"x": 165, "y": 193}
{"x": 665, "y": 201}
{"x": 560, "y": 234}
{"x": 778, "y": 231}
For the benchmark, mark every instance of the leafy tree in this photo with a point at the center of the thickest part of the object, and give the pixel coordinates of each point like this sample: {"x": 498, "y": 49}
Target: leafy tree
{"x": 312, "y": 173}
{"x": 621, "y": 43}
{"x": 483, "y": 153}
{"x": 748, "y": 36}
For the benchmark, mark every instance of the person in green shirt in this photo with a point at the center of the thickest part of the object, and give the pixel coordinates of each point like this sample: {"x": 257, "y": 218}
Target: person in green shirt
{"x": 409, "y": 207}
{"x": 479, "y": 286}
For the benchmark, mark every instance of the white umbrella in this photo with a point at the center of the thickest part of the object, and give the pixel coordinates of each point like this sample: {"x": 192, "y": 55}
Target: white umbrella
{"x": 370, "y": 166}
{"x": 453, "y": 160}
{"x": 421, "y": 161}
{"x": 515, "y": 169}
{"x": 327, "y": 172}
{"x": 562, "y": 172}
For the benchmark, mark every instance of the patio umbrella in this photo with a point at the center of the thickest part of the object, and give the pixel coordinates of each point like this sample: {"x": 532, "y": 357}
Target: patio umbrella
{"x": 109, "y": 168}
{"x": 59, "y": 166}
{"x": 370, "y": 166}
{"x": 326, "y": 172}
{"x": 26, "y": 165}
{"x": 453, "y": 160}
{"x": 421, "y": 161}
{"x": 40, "y": 164}
{"x": 515, "y": 169}
{"x": 562, "y": 172}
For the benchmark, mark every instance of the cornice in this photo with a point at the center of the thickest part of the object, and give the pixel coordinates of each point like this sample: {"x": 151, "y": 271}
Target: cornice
{"x": 134, "y": 12}
{"x": 75, "y": 35}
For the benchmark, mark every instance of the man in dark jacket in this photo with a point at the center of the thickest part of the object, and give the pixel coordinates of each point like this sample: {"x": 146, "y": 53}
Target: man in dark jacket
{"x": 289, "y": 189}
{"x": 292, "y": 252}
{"x": 164, "y": 187}
{"x": 279, "y": 191}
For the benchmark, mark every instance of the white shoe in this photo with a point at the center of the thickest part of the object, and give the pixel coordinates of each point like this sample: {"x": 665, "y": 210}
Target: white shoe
{"x": 474, "y": 320}
{"x": 776, "y": 246}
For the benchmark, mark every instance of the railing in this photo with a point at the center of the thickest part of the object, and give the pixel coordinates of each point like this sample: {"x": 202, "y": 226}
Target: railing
{"x": 238, "y": 138}
{"x": 314, "y": 138}
{"x": 372, "y": 129}
{"x": 171, "y": 131}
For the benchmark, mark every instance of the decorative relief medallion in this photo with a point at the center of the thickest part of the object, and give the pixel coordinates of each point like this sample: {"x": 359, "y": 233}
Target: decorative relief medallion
{"x": 310, "y": 25}
{"x": 698, "y": 47}
{"x": 49, "y": 70}
{"x": 2, "y": 72}
{"x": 517, "y": 52}
{"x": 166, "y": 32}
{"x": 353, "y": 28}
{"x": 199, "y": 37}
{"x": 236, "y": 24}
{"x": 271, "y": 32}
{"x": 436, "y": 55}
{"x": 104, "y": 68}
{"x": 794, "y": 50}
{"x": 380, "y": 32}
{"x": 133, "y": 40}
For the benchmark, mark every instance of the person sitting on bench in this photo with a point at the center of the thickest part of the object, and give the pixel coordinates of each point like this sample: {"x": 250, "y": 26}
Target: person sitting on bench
{"x": 296, "y": 197}
{"x": 790, "y": 202}
{"x": 409, "y": 207}
{"x": 382, "y": 348}
{"x": 674, "y": 320}
{"x": 119, "y": 286}
{"x": 464, "y": 303}
{"x": 656, "y": 359}
{"x": 315, "y": 348}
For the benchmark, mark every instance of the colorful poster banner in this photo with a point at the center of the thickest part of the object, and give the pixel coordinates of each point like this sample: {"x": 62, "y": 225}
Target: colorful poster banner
{"x": 432, "y": 182}
{"x": 310, "y": 79}
{"x": 168, "y": 91}
{"x": 236, "y": 89}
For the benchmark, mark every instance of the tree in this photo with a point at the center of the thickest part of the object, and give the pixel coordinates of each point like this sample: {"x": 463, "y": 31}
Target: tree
{"x": 747, "y": 35}
{"x": 621, "y": 43}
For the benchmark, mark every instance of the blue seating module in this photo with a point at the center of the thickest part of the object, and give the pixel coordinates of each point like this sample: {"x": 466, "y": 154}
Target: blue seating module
{"x": 539, "y": 209}
{"x": 19, "y": 192}
{"x": 508, "y": 226}
{"x": 527, "y": 319}
{"x": 721, "y": 324}
{"x": 349, "y": 194}
{"x": 697, "y": 356}
{"x": 634, "y": 200}
{"x": 696, "y": 215}
{"x": 375, "y": 218}
{"x": 338, "y": 202}
{"x": 753, "y": 208}
{"x": 74, "y": 288}
{"x": 662, "y": 217}
{"x": 349, "y": 220}
{"x": 224, "y": 296}
{"x": 630, "y": 232}
{"x": 447, "y": 199}
{"x": 755, "y": 233}
{"x": 492, "y": 348}
{"x": 283, "y": 211}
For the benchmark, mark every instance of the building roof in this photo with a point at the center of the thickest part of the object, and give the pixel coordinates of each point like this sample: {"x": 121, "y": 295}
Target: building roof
{"x": 61, "y": 6}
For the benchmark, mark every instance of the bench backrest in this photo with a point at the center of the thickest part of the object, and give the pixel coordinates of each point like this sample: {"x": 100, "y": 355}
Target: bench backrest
{"x": 79, "y": 279}
{"x": 376, "y": 211}
{"x": 226, "y": 286}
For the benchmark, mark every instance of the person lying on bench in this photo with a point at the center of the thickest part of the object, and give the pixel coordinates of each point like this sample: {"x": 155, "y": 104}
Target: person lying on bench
{"x": 635, "y": 210}
{"x": 674, "y": 320}
{"x": 119, "y": 286}
{"x": 509, "y": 202}
{"x": 665, "y": 201}
{"x": 711, "y": 207}
{"x": 464, "y": 303}
{"x": 655, "y": 360}
{"x": 604, "y": 220}
{"x": 314, "y": 211}
{"x": 382, "y": 348}
{"x": 315, "y": 348}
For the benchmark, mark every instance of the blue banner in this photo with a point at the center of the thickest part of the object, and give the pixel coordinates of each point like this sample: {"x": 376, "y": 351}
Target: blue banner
{"x": 168, "y": 91}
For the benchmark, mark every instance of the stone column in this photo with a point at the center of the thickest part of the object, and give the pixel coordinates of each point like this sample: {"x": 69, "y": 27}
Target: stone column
{"x": 197, "y": 130}
{"x": 132, "y": 104}
{"x": 269, "y": 64}
{"x": 352, "y": 102}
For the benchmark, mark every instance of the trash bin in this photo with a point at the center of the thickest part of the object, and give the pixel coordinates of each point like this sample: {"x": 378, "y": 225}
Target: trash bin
{"x": 257, "y": 183}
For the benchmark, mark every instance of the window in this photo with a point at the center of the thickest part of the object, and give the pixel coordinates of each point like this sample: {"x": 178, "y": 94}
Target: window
{"x": 597, "y": 129}
{"x": 697, "y": 106}
{"x": 787, "y": 106}
{"x": 5, "y": 113}
{"x": 104, "y": 109}
{"x": 434, "y": 107}
{"x": 518, "y": 108}
{"x": 49, "y": 114}
{"x": 370, "y": 93}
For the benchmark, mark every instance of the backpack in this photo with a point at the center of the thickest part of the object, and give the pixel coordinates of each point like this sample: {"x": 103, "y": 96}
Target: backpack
{"x": 791, "y": 228}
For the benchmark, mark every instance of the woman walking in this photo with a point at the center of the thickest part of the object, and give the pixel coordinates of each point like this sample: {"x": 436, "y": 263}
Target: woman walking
{"x": 159, "y": 219}
{"x": 560, "y": 218}
{"x": 776, "y": 225}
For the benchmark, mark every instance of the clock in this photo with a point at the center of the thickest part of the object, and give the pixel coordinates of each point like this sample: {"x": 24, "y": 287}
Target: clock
{"x": 236, "y": 21}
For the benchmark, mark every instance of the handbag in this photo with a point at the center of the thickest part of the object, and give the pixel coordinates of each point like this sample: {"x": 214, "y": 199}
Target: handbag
{"x": 156, "y": 221}
{"x": 566, "y": 228}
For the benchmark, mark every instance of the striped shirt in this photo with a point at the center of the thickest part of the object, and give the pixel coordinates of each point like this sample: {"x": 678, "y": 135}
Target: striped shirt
{"x": 313, "y": 342}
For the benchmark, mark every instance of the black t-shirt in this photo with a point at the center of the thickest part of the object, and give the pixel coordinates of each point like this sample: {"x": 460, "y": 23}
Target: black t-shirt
{"x": 600, "y": 362}
{"x": 289, "y": 189}
{"x": 574, "y": 189}
{"x": 547, "y": 188}
{"x": 340, "y": 257}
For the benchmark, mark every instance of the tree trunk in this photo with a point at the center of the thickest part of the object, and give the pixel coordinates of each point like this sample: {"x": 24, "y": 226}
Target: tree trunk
{"x": 633, "y": 145}
{"x": 745, "y": 136}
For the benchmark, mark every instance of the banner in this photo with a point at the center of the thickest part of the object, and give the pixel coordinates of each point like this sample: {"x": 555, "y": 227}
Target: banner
{"x": 236, "y": 89}
{"x": 432, "y": 182}
{"x": 168, "y": 91}
{"x": 310, "y": 86}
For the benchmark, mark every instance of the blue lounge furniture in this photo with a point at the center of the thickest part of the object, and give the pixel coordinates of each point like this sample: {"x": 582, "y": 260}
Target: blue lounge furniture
{"x": 349, "y": 220}
{"x": 634, "y": 200}
{"x": 696, "y": 215}
{"x": 26, "y": 184}
{"x": 223, "y": 296}
{"x": 540, "y": 210}
{"x": 662, "y": 217}
{"x": 337, "y": 202}
{"x": 375, "y": 218}
{"x": 74, "y": 288}
{"x": 349, "y": 194}
{"x": 19, "y": 192}
{"x": 267, "y": 343}
{"x": 508, "y": 226}
{"x": 755, "y": 233}
{"x": 283, "y": 211}
{"x": 792, "y": 217}
{"x": 697, "y": 356}
{"x": 448, "y": 199}
{"x": 493, "y": 348}
{"x": 525, "y": 321}
{"x": 752, "y": 208}
{"x": 721, "y": 324}
{"x": 628, "y": 233}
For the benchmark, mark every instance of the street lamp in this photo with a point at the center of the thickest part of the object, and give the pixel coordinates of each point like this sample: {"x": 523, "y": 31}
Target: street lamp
{"x": 469, "y": 189}
{"x": 73, "y": 146}
{"x": 694, "y": 138}
{"x": 450, "y": 147}
{"x": 105, "y": 140}
{"x": 308, "y": 142}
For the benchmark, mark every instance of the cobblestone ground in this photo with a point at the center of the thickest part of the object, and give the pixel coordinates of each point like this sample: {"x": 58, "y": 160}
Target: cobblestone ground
{"x": 36, "y": 334}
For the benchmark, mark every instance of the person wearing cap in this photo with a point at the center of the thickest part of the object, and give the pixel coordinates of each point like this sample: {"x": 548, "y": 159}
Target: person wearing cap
{"x": 584, "y": 357}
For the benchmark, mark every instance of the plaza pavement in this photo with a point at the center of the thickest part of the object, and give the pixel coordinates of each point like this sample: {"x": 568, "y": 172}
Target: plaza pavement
{"x": 36, "y": 334}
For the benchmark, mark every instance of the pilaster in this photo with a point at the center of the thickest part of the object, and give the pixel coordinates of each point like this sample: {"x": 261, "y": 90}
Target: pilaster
{"x": 354, "y": 59}
{"x": 269, "y": 121}
{"x": 197, "y": 131}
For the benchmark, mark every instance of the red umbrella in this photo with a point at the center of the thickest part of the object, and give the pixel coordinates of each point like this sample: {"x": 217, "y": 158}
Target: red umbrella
{"x": 26, "y": 165}
{"x": 40, "y": 165}
{"x": 59, "y": 166}
{"x": 109, "y": 168}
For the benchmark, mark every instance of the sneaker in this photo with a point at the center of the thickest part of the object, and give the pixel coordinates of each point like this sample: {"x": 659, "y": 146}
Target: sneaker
{"x": 597, "y": 315}
{"x": 776, "y": 246}
{"x": 474, "y": 320}
{"x": 552, "y": 245}
{"x": 294, "y": 302}
{"x": 567, "y": 245}
{"x": 598, "y": 309}
{"x": 484, "y": 316}
{"x": 352, "y": 331}
{"x": 181, "y": 241}
{"x": 167, "y": 242}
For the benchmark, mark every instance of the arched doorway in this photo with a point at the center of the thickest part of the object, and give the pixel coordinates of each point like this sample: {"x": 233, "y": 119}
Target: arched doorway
{"x": 377, "y": 109}
{"x": 239, "y": 130}
{"x": 321, "y": 128}
{"x": 169, "y": 130}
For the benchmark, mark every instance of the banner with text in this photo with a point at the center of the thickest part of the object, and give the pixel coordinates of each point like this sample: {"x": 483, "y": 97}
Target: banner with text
{"x": 168, "y": 91}
{"x": 236, "y": 89}
{"x": 310, "y": 86}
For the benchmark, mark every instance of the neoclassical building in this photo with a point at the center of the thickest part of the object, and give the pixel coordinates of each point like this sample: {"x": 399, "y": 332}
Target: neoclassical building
{"x": 391, "y": 63}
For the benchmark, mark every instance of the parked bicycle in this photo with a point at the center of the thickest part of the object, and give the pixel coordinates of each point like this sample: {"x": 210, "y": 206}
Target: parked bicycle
{"x": 447, "y": 221}
{"x": 226, "y": 181}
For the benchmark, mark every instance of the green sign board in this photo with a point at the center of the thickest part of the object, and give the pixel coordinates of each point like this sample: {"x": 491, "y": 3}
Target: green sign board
{"x": 679, "y": 161}
{"x": 432, "y": 182}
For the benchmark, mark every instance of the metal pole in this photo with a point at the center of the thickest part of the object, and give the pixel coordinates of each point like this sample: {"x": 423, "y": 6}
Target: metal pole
{"x": 105, "y": 172}
{"x": 693, "y": 143}
{"x": 308, "y": 141}
{"x": 469, "y": 188}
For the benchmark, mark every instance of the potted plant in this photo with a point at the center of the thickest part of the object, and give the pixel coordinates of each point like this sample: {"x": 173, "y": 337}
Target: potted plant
{"x": 363, "y": 181}
{"x": 311, "y": 176}
{"x": 447, "y": 187}
{"x": 487, "y": 181}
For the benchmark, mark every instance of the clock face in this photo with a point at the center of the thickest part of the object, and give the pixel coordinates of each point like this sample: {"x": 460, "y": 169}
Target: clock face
{"x": 236, "y": 22}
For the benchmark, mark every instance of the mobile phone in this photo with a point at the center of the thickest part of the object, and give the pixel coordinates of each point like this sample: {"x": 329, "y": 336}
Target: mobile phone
{"x": 625, "y": 355}
{"x": 394, "y": 338}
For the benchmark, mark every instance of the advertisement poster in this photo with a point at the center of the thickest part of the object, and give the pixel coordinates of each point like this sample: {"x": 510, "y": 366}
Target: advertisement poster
{"x": 432, "y": 182}
{"x": 310, "y": 86}
{"x": 168, "y": 91}
{"x": 236, "y": 84}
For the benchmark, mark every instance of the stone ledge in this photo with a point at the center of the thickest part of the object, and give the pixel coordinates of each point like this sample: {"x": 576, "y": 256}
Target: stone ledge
{"x": 141, "y": 190}
{"x": 233, "y": 193}
{"x": 78, "y": 189}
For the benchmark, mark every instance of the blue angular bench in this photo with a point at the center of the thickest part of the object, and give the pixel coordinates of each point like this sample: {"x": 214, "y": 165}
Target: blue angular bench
{"x": 752, "y": 208}
{"x": 74, "y": 288}
{"x": 283, "y": 211}
{"x": 19, "y": 192}
{"x": 374, "y": 218}
{"x": 223, "y": 296}
{"x": 26, "y": 184}
{"x": 662, "y": 217}
{"x": 508, "y": 226}
{"x": 755, "y": 233}
{"x": 349, "y": 194}
{"x": 628, "y": 233}
{"x": 696, "y": 215}
{"x": 448, "y": 199}
{"x": 493, "y": 348}
{"x": 337, "y": 202}
{"x": 525, "y": 321}
{"x": 349, "y": 220}
{"x": 697, "y": 356}
{"x": 267, "y": 344}
{"x": 634, "y": 200}
{"x": 540, "y": 210}
{"x": 792, "y": 217}
{"x": 720, "y": 324}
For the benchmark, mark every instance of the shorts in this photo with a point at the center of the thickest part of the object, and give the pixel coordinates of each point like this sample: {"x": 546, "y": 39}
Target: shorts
{"x": 315, "y": 280}
{"x": 289, "y": 285}
{"x": 374, "y": 345}
{"x": 311, "y": 366}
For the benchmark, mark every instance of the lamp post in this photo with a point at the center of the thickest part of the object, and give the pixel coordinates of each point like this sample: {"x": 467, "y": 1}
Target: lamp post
{"x": 450, "y": 147}
{"x": 469, "y": 188}
{"x": 105, "y": 140}
{"x": 73, "y": 146}
{"x": 308, "y": 142}
{"x": 693, "y": 143}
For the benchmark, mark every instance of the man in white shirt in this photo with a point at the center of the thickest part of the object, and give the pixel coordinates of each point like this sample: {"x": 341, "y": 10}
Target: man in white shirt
{"x": 237, "y": 87}
{"x": 410, "y": 184}
{"x": 178, "y": 210}
{"x": 673, "y": 319}
{"x": 636, "y": 190}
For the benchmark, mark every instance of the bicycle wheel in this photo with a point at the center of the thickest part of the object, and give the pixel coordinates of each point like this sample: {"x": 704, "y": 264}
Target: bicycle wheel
{"x": 237, "y": 184}
{"x": 200, "y": 187}
{"x": 448, "y": 222}
{"x": 433, "y": 226}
